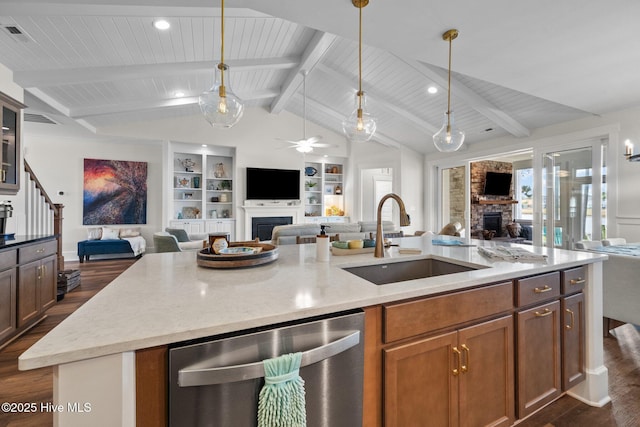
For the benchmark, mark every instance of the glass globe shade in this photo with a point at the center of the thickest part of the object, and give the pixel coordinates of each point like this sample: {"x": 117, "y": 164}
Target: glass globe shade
{"x": 220, "y": 107}
{"x": 449, "y": 138}
{"x": 359, "y": 126}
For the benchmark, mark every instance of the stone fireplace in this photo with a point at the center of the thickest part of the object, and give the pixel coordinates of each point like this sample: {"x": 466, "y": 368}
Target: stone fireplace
{"x": 492, "y": 221}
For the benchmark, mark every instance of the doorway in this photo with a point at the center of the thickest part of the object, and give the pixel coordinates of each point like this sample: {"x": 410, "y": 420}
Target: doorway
{"x": 375, "y": 183}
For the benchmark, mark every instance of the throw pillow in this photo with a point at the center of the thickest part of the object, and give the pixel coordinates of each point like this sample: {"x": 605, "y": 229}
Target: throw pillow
{"x": 109, "y": 233}
{"x": 94, "y": 233}
{"x": 129, "y": 232}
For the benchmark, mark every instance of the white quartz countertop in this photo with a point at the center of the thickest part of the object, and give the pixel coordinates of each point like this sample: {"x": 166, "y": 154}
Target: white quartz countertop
{"x": 166, "y": 298}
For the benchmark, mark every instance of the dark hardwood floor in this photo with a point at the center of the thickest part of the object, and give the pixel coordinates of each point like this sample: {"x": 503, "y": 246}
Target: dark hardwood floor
{"x": 622, "y": 358}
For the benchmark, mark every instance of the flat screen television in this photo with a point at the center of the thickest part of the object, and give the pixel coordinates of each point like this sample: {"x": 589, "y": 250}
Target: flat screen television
{"x": 497, "y": 184}
{"x": 273, "y": 184}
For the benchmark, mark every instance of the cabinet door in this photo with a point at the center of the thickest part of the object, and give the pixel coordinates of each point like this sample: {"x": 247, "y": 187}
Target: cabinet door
{"x": 7, "y": 303}
{"x": 486, "y": 377}
{"x": 538, "y": 356}
{"x": 573, "y": 344}
{"x": 10, "y": 139}
{"x": 420, "y": 385}
{"x": 48, "y": 283}
{"x": 28, "y": 298}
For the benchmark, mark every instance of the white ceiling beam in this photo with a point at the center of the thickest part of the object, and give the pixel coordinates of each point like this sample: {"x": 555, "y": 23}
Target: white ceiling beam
{"x": 471, "y": 98}
{"x": 382, "y": 101}
{"x": 315, "y": 50}
{"x": 65, "y": 76}
{"x": 153, "y": 104}
{"x": 168, "y": 8}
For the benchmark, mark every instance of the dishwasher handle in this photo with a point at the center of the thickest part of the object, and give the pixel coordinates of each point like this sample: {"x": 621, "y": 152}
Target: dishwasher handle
{"x": 188, "y": 377}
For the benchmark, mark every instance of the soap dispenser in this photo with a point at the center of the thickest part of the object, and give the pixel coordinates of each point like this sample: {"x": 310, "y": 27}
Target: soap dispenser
{"x": 322, "y": 245}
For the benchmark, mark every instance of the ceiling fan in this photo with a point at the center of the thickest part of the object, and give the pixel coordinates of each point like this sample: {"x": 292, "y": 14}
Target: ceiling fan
{"x": 306, "y": 145}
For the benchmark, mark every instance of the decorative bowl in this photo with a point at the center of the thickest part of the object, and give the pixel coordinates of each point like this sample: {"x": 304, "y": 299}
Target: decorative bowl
{"x": 240, "y": 250}
{"x": 356, "y": 244}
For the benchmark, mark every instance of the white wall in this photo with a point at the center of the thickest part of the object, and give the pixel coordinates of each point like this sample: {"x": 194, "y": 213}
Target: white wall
{"x": 58, "y": 162}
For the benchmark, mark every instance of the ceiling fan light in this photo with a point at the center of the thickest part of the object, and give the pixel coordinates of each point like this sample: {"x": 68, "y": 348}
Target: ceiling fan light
{"x": 449, "y": 138}
{"x": 304, "y": 148}
{"x": 359, "y": 126}
{"x": 220, "y": 107}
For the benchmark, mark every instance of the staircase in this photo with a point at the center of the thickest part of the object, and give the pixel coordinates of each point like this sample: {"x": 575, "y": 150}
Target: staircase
{"x": 44, "y": 218}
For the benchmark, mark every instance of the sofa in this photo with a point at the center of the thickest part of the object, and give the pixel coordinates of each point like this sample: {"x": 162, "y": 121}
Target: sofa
{"x": 126, "y": 241}
{"x": 287, "y": 234}
{"x": 188, "y": 242}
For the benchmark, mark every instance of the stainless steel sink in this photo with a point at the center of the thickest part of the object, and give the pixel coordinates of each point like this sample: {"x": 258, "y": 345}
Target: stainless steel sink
{"x": 392, "y": 272}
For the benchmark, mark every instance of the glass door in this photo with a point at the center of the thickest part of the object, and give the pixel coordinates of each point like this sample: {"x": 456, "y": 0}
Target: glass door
{"x": 453, "y": 194}
{"x": 569, "y": 208}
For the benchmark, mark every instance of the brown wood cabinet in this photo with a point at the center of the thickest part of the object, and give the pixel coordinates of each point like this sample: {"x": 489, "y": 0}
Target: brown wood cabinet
{"x": 37, "y": 280}
{"x": 7, "y": 303}
{"x": 457, "y": 378}
{"x": 28, "y": 285}
{"x": 10, "y": 111}
{"x": 481, "y": 356}
{"x": 573, "y": 340}
{"x": 538, "y": 360}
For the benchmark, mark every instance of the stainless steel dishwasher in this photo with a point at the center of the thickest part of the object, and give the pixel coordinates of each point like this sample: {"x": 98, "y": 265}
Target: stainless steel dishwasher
{"x": 217, "y": 382}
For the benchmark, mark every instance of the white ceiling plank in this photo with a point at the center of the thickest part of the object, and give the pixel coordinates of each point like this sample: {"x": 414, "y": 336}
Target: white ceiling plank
{"x": 472, "y": 99}
{"x": 56, "y": 77}
{"x": 383, "y": 101}
{"x": 320, "y": 43}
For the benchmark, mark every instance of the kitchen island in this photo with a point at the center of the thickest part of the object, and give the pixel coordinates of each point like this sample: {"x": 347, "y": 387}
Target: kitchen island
{"x": 166, "y": 298}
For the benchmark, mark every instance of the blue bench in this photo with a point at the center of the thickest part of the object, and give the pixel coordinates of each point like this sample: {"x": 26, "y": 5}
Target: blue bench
{"x": 86, "y": 248}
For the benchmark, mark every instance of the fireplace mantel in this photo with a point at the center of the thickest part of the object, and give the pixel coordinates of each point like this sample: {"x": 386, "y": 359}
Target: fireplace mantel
{"x": 296, "y": 211}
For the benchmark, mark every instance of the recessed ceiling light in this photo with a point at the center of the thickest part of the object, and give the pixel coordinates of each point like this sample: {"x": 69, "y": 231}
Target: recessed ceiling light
{"x": 161, "y": 24}
{"x": 432, "y": 90}
{"x": 204, "y": 145}
{"x": 179, "y": 94}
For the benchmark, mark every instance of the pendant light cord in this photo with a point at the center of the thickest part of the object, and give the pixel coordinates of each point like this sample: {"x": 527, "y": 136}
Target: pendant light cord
{"x": 221, "y": 66}
{"x": 360, "y": 61}
{"x": 449, "y": 90}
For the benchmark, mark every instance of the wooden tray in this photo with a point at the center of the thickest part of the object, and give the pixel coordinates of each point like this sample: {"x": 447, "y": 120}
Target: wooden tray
{"x": 268, "y": 254}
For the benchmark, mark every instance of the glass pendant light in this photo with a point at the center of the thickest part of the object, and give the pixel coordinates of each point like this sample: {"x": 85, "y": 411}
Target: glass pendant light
{"x": 221, "y": 108}
{"x": 359, "y": 126}
{"x": 449, "y": 138}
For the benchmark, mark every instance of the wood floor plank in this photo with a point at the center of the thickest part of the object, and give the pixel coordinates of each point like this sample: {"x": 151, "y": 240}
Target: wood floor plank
{"x": 622, "y": 358}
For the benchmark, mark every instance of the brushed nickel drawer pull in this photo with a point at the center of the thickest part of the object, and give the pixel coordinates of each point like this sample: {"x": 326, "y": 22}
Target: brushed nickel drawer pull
{"x": 543, "y": 289}
{"x": 572, "y": 319}
{"x": 458, "y": 355}
{"x": 546, "y": 312}
{"x": 578, "y": 281}
{"x": 40, "y": 250}
{"x": 465, "y": 367}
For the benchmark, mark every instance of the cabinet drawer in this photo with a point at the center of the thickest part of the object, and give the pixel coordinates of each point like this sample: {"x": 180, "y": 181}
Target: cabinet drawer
{"x": 37, "y": 251}
{"x": 406, "y": 319}
{"x": 574, "y": 280}
{"x": 535, "y": 289}
{"x": 8, "y": 259}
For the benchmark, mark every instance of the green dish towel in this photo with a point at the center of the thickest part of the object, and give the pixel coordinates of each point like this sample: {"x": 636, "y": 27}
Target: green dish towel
{"x": 281, "y": 402}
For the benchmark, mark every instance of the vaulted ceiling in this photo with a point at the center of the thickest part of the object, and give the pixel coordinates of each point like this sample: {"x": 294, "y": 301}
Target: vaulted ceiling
{"x": 517, "y": 66}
